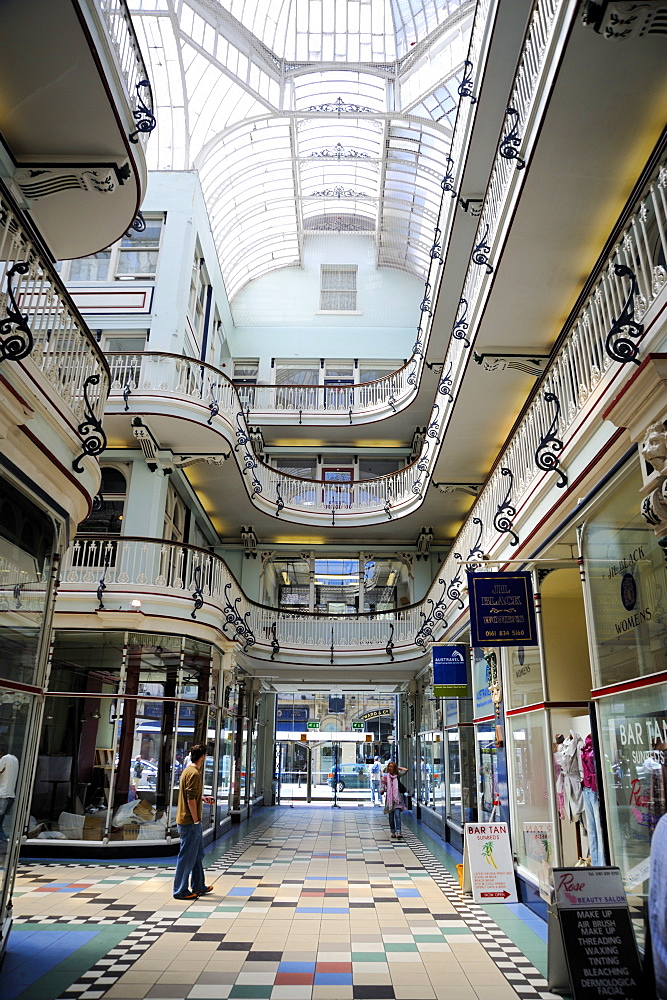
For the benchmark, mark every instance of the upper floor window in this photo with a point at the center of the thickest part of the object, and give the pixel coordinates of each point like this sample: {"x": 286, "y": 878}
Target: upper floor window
{"x": 338, "y": 287}
{"x": 133, "y": 257}
{"x": 174, "y": 517}
{"x": 108, "y": 508}
{"x": 199, "y": 285}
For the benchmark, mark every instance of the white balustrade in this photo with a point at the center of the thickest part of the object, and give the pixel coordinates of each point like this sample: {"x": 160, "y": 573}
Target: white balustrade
{"x": 102, "y": 567}
{"x": 116, "y": 17}
{"x": 35, "y": 304}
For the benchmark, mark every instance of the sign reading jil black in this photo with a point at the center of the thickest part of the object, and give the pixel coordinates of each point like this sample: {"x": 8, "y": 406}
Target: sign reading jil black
{"x": 600, "y": 949}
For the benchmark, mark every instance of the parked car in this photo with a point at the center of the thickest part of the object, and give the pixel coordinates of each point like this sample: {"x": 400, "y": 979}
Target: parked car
{"x": 350, "y": 776}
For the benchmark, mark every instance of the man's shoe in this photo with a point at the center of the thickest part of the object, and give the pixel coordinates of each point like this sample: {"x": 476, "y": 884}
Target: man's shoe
{"x": 206, "y": 889}
{"x": 188, "y": 895}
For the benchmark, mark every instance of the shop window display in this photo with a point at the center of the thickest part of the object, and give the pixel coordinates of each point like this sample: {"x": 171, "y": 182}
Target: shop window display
{"x": 122, "y": 711}
{"x": 625, "y": 569}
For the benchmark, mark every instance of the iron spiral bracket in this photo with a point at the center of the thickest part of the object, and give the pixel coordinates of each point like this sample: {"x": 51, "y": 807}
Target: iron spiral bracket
{"x": 214, "y": 407}
{"x": 435, "y": 252}
{"x": 392, "y": 402}
{"x": 101, "y": 587}
{"x": 425, "y": 304}
{"x": 477, "y": 552}
{"x": 90, "y": 429}
{"x": 16, "y": 339}
{"x": 437, "y": 614}
{"x": 480, "y": 254}
{"x": 242, "y": 631}
{"x": 503, "y": 519}
{"x": 446, "y": 382}
{"x": 332, "y": 647}
{"x": 275, "y": 645}
{"x": 18, "y": 603}
{"x": 460, "y": 326}
{"x": 454, "y": 586}
{"x": 447, "y": 182}
{"x": 510, "y": 143}
{"x": 127, "y": 389}
{"x": 387, "y": 508}
{"x": 197, "y": 593}
{"x": 143, "y": 116}
{"x": 389, "y": 648}
{"x": 465, "y": 86}
{"x": 617, "y": 345}
{"x": 280, "y": 503}
{"x": 546, "y": 453}
{"x": 138, "y": 225}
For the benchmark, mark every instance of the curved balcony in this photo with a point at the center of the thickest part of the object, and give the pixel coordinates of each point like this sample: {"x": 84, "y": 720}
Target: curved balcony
{"x": 42, "y": 331}
{"x": 77, "y": 123}
{"x": 106, "y": 572}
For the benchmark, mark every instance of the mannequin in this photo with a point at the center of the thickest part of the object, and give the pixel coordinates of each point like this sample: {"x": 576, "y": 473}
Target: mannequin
{"x": 591, "y": 802}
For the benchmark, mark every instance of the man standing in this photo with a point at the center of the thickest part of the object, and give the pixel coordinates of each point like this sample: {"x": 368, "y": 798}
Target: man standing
{"x": 189, "y": 877}
{"x": 376, "y": 777}
{"x": 9, "y": 772}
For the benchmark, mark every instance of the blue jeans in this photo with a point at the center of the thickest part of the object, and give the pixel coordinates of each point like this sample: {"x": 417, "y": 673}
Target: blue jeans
{"x": 190, "y": 861}
{"x": 5, "y": 809}
{"x": 375, "y": 792}
{"x": 395, "y": 820}
{"x": 592, "y": 811}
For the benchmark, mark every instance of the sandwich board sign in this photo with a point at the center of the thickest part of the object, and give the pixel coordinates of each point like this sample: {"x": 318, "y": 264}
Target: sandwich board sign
{"x": 596, "y": 934}
{"x": 488, "y": 868}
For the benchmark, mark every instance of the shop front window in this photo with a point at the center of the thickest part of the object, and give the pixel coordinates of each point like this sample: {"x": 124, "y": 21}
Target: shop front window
{"x": 120, "y": 717}
{"x": 26, "y": 547}
{"x": 633, "y": 737}
{"x": 454, "y": 798}
{"x": 17, "y": 710}
{"x": 625, "y": 568}
{"x": 533, "y": 825}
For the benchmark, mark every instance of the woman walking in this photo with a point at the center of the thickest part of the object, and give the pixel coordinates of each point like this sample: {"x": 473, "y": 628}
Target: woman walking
{"x": 393, "y": 798}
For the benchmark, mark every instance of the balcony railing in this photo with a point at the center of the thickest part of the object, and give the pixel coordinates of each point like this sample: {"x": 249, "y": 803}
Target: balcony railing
{"x": 116, "y": 17}
{"x": 103, "y": 567}
{"x": 39, "y": 321}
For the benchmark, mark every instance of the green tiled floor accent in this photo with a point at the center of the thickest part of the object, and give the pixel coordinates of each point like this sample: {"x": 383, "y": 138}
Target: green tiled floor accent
{"x": 51, "y": 985}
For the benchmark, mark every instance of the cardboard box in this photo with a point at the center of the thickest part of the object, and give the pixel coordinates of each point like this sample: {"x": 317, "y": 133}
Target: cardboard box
{"x": 93, "y": 826}
{"x": 130, "y": 831}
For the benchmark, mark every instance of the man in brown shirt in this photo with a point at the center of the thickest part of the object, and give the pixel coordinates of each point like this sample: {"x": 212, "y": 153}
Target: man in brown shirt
{"x": 189, "y": 877}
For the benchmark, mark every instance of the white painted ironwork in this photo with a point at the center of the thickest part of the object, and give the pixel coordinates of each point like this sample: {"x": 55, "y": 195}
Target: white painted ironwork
{"x": 64, "y": 350}
{"x": 116, "y": 17}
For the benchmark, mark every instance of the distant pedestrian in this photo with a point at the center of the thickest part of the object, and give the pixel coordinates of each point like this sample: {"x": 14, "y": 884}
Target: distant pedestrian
{"x": 393, "y": 797}
{"x": 9, "y": 772}
{"x": 376, "y": 782}
{"x": 189, "y": 877}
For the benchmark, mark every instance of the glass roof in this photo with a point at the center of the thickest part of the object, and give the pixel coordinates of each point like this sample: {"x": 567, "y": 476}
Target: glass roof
{"x": 301, "y": 113}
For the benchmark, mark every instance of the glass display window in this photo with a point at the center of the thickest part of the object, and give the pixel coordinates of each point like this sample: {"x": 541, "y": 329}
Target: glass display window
{"x": 533, "y": 826}
{"x": 524, "y": 676}
{"x": 488, "y": 783}
{"x": 18, "y": 713}
{"x": 625, "y": 569}
{"x": 454, "y": 810}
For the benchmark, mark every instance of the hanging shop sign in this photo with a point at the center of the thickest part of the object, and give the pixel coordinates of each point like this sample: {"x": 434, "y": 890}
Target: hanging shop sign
{"x": 488, "y": 868}
{"x": 597, "y": 936}
{"x": 376, "y": 713}
{"x": 450, "y": 671}
{"x": 502, "y": 611}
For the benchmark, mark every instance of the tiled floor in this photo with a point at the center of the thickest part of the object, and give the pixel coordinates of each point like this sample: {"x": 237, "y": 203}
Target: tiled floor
{"x": 311, "y": 904}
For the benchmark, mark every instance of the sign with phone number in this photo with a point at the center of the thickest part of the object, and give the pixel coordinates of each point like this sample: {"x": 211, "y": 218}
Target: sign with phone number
{"x": 502, "y": 610}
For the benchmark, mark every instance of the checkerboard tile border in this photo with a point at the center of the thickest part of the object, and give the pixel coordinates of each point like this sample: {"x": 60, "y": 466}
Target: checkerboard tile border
{"x": 521, "y": 974}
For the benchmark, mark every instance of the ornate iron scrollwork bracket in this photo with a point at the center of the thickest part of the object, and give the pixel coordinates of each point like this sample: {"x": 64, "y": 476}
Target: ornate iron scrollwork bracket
{"x": 504, "y": 516}
{"x": 447, "y": 182}
{"x": 127, "y": 389}
{"x": 214, "y": 407}
{"x": 143, "y": 116}
{"x": 332, "y": 647}
{"x": 460, "y": 326}
{"x": 511, "y": 142}
{"x": 197, "y": 593}
{"x": 435, "y": 252}
{"x": 436, "y": 614}
{"x": 275, "y": 645}
{"x": 90, "y": 429}
{"x": 465, "y": 86}
{"x": 101, "y": 587}
{"x": 476, "y": 550}
{"x": 546, "y": 453}
{"x": 446, "y": 382}
{"x": 387, "y": 508}
{"x": 138, "y": 225}
{"x": 425, "y": 304}
{"x": 280, "y": 503}
{"x": 480, "y": 254}
{"x": 454, "y": 586}
{"x": 389, "y": 648}
{"x": 17, "y": 343}
{"x": 617, "y": 345}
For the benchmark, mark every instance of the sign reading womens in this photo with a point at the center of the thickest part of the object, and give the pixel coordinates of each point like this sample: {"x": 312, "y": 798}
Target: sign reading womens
{"x": 600, "y": 949}
{"x": 502, "y": 610}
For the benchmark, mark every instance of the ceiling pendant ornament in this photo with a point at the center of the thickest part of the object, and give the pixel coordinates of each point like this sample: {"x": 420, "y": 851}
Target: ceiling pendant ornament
{"x": 339, "y": 152}
{"x": 340, "y": 107}
{"x": 338, "y": 192}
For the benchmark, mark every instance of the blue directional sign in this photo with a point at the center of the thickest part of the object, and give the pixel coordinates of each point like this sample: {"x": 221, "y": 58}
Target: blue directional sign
{"x": 502, "y": 611}
{"x": 450, "y": 671}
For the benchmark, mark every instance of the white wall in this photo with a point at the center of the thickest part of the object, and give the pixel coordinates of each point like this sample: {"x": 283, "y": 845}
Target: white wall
{"x": 275, "y": 315}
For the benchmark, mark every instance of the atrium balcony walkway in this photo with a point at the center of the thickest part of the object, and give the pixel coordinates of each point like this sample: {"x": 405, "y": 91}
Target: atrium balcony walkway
{"x": 309, "y": 904}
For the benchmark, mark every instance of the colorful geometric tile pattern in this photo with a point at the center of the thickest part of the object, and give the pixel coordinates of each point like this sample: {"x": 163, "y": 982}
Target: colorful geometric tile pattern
{"x": 311, "y": 905}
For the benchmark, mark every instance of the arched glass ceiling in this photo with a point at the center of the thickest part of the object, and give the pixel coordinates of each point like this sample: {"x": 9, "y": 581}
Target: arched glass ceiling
{"x": 286, "y": 145}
